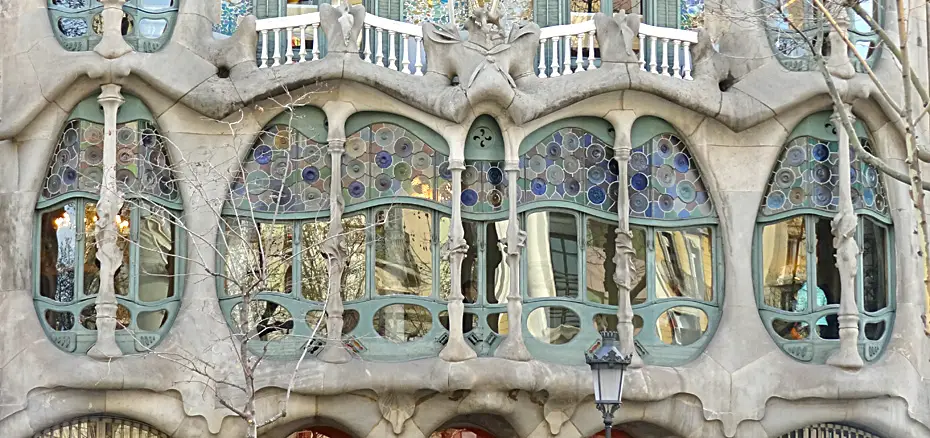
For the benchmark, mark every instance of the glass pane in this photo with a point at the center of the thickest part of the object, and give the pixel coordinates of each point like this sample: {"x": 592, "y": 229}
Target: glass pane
{"x": 791, "y": 330}
{"x": 314, "y": 273}
{"x": 403, "y": 322}
{"x": 828, "y": 327}
{"x": 609, "y": 321}
{"x": 91, "y": 264}
{"x": 258, "y": 257}
{"x": 152, "y": 321}
{"x": 470, "y": 267}
{"x": 874, "y": 266}
{"x": 156, "y": 253}
{"x": 552, "y": 255}
{"x": 828, "y": 276}
{"x": 71, "y": 4}
{"x": 404, "y": 252}
{"x": 153, "y": 5}
{"x": 121, "y": 277}
{"x": 59, "y": 321}
{"x": 89, "y": 317}
{"x": 784, "y": 265}
{"x": 353, "y": 277}
{"x": 469, "y": 321}
{"x": 267, "y": 321}
{"x": 681, "y": 325}
{"x": 72, "y": 27}
{"x": 684, "y": 264}
{"x": 498, "y": 323}
{"x": 496, "y": 274}
{"x": 599, "y": 259}
{"x": 58, "y": 248}
{"x": 874, "y": 330}
{"x": 553, "y": 325}
{"x": 150, "y": 28}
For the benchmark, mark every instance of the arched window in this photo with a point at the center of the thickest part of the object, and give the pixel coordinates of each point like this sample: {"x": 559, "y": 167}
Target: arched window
{"x": 146, "y": 26}
{"x": 830, "y": 430}
{"x": 794, "y": 53}
{"x": 797, "y": 281}
{"x": 395, "y": 189}
{"x": 320, "y": 432}
{"x": 67, "y": 281}
{"x": 569, "y": 211}
{"x": 102, "y": 427}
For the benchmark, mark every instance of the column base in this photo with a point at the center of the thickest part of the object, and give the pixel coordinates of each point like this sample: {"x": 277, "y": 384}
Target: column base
{"x": 105, "y": 351}
{"x": 334, "y": 353}
{"x": 457, "y": 350}
{"x": 512, "y": 348}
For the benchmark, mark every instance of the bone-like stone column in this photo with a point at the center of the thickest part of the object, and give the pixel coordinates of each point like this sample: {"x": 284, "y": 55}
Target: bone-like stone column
{"x": 623, "y": 257}
{"x": 513, "y": 347}
{"x": 108, "y": 251}
{"x": 334, "y": 249}
{"x": 839, "y": 64}
{"x": 847, "y": 253}
{"x": 456, "y": 350}
{"x": 112, "y": 45}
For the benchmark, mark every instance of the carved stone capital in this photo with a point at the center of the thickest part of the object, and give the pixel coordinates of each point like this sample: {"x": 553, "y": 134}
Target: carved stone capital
{"x": 336, "y": 146}
{"x": 397, "y": 408}
{"x": 557, "y": 411}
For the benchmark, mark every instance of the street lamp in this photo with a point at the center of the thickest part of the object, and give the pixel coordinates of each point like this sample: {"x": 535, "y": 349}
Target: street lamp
{"x": 608, "y": 364}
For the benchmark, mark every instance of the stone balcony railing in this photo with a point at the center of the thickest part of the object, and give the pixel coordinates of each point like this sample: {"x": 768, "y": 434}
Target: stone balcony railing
{"x": 400, "y": 46}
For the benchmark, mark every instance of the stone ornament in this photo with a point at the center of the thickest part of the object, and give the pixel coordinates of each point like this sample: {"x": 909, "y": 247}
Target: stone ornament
{"x": 112, "y": 45}
{"x": 342, "y": 25}
{"x": 615, "y": 36}
{"x": 397, "y": 408}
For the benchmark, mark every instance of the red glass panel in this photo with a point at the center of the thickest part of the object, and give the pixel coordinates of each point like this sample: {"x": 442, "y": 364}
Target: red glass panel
{"x": 614, "y": 433}
{"x": 461, "y": 432}
{"x": 320, "y": 432}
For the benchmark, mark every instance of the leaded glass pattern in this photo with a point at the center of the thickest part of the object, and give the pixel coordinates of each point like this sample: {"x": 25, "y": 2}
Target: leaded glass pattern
{"x": 230, "y": 13}
{"x": 665, "y": 182}
{"x": 571, "y": 165}
{"x": 141, "y": 164}
{"x": 285, "y": 172}
{"x": 146, "y": 24}
{"x": 386, "y": 160}
{"x": 434, "y": 11}
{"x": 484, "y": 187}
{"x": 807, "y": 176}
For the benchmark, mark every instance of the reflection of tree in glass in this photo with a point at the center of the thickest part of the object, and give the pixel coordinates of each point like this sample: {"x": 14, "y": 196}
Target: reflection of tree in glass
{"x": 404, "y": 252}
{"x": 403, "y": 322}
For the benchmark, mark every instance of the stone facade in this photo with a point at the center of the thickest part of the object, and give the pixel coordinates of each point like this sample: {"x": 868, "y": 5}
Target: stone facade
{"x": 210, "y": 100}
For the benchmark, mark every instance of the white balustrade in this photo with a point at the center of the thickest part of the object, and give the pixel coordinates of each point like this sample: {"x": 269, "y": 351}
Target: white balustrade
{"x": 563, "y": 50}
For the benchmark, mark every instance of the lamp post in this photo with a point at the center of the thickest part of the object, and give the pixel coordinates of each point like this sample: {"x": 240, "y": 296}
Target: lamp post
{"x": 608, "y": 365}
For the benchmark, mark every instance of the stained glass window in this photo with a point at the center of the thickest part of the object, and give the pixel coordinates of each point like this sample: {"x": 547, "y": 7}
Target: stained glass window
{"x": 665, "y": 182}
{"x": 384, "y": 160}
{"x": 285, "y": 172}
{"x": 806, "y": 176}
{"x": 484, "y": 187}
{"x": 145, "y": 283}
{"x": 798, "y": 283}
{"x": 571, "y": 165}
{"x": 231, "y": 11}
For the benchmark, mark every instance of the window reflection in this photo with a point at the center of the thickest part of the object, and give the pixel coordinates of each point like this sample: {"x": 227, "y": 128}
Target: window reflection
{"x": 314, "y": 276}
{"x": 600, "y": 267}
{"x": 353, "y": 277}
{"x": 404, "y": 252}
{"x": 266, "y": 321}
{"x": 58, "y": 253}
{"x": 828, "y": 276}
{"x": 553, "y": 325}
{"x": 403, "y": 322}
{"x": 874, "y": 266}
{"x": 258, "y": 257}
{"x": 681, "y": 325}
{"x": 121, "y": 277}
{"x": 784, "y": 263}
{"x": 552, "y": 255}
{"x": 150, "y": 28}
{"x": 496, "y": 274}
{"x": 791, "y": 330}
{"x": 684, "y": 264}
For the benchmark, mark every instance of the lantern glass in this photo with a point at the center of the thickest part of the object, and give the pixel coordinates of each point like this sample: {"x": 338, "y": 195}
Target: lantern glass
{"x": 607, "y": 384}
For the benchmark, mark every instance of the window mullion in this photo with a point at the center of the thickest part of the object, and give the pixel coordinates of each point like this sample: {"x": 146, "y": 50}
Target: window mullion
{"x": 371, "y": 236}
{"x": 650, "y": 264}
{"x": 297, "y": 259}
{"x": 481, "y": 268}
{"x": 860, "y": 241}
{"x": 79, "y": 248}
{"x": 581, "y": 229}
{"x": 134, "y": 218}
{"x": 810, "y": 231}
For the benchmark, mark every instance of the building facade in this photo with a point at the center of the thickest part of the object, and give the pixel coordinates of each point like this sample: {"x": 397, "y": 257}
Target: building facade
{"x": 413, "y": 219}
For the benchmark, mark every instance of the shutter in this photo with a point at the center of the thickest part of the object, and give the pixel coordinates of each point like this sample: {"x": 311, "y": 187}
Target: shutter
{"x": 269, "y": 8}
{"x": 666, "y": 13}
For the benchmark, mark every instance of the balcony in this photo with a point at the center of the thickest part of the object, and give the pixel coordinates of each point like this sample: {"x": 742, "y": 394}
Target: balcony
{"x": 562, "y": 50}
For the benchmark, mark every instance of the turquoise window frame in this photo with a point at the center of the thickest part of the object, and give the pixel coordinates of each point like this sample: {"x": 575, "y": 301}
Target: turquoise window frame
{"x": 135, "y": 9}
{"x": 812, "y": 349}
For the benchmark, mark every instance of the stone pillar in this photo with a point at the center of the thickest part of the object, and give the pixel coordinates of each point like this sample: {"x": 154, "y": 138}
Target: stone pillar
{"x": 456, "y": 350}
{"x": 334, "y": 249}
{"x": 112, "y": 45}
{"x": 106, "y": 232}
{"x": 847, "y": 253}
{"x": 513, "y": 347}
{"x": 623, "y": 257}
{"x": 839, "y": 64}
